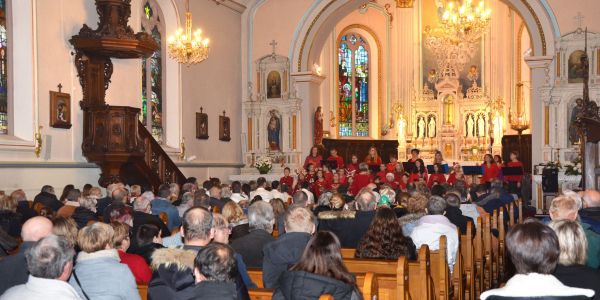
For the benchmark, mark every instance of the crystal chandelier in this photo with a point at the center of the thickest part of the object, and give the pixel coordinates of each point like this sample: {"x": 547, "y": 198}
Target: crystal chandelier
{"x": 185, "y": 47}
{"x": 465, "y": 22}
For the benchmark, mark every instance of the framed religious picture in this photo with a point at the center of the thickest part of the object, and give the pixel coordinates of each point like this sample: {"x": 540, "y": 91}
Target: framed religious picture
{"x": 224, "y": 128}
{"x": 201, "y": 125}
{"x": 60, "y": 109}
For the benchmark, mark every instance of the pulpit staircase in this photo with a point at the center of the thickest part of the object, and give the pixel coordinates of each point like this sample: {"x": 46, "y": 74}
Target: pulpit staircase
{"x": 113, "y": 136}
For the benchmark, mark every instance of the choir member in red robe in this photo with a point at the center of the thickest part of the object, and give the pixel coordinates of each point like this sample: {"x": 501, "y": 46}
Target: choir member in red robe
{"x": 419, "y": 172}
{"x": 437, "y": 177}
{"x": 352, "y": 167}
{"x": 514, "y": 181}
{"x": 313, "y": 159}
{"x": 491, "y": 170}
{"x": 372, "y": 159}
{"x": 287, "y": 179}
{"x": 335, "y": 157}
{"x": 361, "y": 179}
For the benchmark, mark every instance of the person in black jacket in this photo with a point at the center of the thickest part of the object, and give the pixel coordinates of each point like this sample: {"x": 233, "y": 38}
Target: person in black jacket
{"x": 320, "y": 270}
{"x": 48, "y": 198}
{"x": 86, "y": 211}
{"x": 350, "y": 226}
{"x": 454, "y": 214}
{"x": 287, "y": 249}
{"x": 571, "y": 269}
{"x": 10, "y": 220}
{"x": 148, "y": 240}
{"x": 23, "y": 207}
{"x": 142, "y": 215}
{"x": 213, "y": 269}
{"x": 13, "y": 269}
{"x": 261, "y": 220}
{"x": 173, "y": 276}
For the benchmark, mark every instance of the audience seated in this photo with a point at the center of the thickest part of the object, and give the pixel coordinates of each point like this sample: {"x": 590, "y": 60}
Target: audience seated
{"x": 261, "y": 190}
{"x": 417, "y": 208}
{"x": 98, "y": 273}
{"x": 23, "y": 207}
{"x": 213, "y": 269}
{"x": 455, "y": 214}
{"x": 260, "y": 221}
{"x": 222, "y": 232}
{"x": 47, "y": 197}
{"x": 142, "y": 214}
{"x": 13, "y": 269}
{"x": 214, "y": 193}
{"x": 106, "y": 201}
{"x": 350, "y": 226}
{"x": 433, "y": 225}
{"x": 86, "y": 211}
{"x": 237, "y": 220}
{"x": 590, "y": 212}
{"x": 49, "y": 262}
{"x": 565, "y": 207}
{"x": 70, "y": 202}
{"x": 162, "y": 204}
{"x": 187, "y": 201}
{"x": 319, "y": 271}
{"x": 236, "y": 192}
{"x": 534, "y": 250}
{"x": 287, "y": 249}
{"x": 66, "y": 228}
{"x": 10, "y": 220}
{"x": 120, "y": 198}
{"x": 148, "y": 239}
{"x": 138, "y": 266}
{"x": 571, "y": 269}
{"x": 384, "y": 238}
{"x": 173, "y": 276}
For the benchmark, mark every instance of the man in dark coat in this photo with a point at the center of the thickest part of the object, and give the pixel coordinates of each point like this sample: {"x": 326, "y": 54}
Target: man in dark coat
{"x": 350, "y": 226}
{"x": 13, "y": 269}
{"x": 48, "y": 198}
{"x": 260, "y": 219}
{"x": 280, "y": 254}
{"x": 103, "y": 203}
{"x": 213, "y": 269}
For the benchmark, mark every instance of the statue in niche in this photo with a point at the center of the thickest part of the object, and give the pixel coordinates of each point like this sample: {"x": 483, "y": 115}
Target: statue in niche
{"x": 480, "y": 126}
{"x": 273, "y": 85}
{"x": 273, "y": 130}
{"x": 470, "y": 123}
{"x": 318, "y": 126}
{"x": 573, "y": 132}
{"x": 449, "y": 109}
{"x": 431, "y": 127}
{"x": 421, "y": 127}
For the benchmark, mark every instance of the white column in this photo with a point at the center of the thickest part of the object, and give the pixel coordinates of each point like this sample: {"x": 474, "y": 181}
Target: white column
{"x": 540, "y": 84}
{"x": 309, "y": 91}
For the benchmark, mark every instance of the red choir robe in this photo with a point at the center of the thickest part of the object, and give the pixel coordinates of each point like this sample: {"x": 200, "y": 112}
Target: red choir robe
{"x": 490, "y": 173}
{"x": 514, "y": 178}
{"x": 440, "y": 178}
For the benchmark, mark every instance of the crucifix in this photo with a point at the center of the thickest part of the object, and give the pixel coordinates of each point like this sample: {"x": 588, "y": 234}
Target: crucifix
{"x": 59, "y": 86}
{"x": 579, "y": 19}
{"x": 273, "y": 44}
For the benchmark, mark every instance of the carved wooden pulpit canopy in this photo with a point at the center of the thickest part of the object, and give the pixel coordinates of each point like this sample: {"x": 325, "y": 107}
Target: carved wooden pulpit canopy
{"x": 113, "y": 138}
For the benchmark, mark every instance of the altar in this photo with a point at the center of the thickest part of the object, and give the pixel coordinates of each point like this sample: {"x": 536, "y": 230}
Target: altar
{"x": 565, "y": 182}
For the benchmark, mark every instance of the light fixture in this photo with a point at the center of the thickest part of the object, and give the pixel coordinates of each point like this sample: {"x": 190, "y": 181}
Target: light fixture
{"x": 185, "y": 47}
{"x": 465, "y": 22}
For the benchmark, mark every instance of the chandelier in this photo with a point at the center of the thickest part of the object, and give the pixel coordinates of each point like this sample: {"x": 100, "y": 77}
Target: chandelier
{"x": 464, "y": 22}
{"x": 185, "y": 47}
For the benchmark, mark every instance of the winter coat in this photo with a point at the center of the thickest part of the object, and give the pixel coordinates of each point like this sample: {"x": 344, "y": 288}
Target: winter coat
{"x": 280, "y": 254}
{"x": 300, "y": 285}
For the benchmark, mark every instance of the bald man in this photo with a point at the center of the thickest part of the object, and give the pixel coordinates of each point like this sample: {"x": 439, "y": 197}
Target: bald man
{"x": 590, "y": 213}
{"x": 13, "y": 269}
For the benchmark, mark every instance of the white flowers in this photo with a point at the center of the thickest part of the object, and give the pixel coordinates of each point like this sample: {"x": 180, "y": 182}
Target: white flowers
{"x": 263, "y": 162}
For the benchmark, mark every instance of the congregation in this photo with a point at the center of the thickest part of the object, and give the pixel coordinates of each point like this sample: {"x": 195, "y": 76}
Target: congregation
{"x": 202, "y": 240}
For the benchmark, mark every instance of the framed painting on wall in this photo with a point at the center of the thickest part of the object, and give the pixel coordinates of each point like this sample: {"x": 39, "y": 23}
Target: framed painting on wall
{"x": 201, "y": 125}
{"x": 224, "y": 128}
{"x": 60, "y": 110}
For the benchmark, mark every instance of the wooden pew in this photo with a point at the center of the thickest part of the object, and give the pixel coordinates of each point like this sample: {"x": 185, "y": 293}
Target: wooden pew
{"x": 478, "y": 258}
{"x": 143, "y": 290}
{"x": 501, "y": 248}
{"x": 255, "y": 275}
{"x": 520, "y": 204}
{"x": 494, "y": 246}
{"x": 348, "y": 253}
{"x": 440, "y": 271}
{"x": 468, "y": 260}
{"x": 487, "y": 253}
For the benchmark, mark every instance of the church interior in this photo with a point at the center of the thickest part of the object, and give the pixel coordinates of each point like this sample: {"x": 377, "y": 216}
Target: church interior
{"x": 152, "y": 92}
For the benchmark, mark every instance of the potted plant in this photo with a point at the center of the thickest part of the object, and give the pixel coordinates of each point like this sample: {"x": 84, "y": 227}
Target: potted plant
{"x": 263, "y": 164}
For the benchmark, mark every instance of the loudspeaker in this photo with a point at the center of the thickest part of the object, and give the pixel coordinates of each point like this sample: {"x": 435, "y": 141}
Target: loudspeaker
{"x": 550, "y": 180}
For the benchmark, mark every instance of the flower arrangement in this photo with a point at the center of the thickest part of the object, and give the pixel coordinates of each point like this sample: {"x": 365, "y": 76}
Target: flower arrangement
{"x": 263, "y": 164}
{"x": 574, "y": 168}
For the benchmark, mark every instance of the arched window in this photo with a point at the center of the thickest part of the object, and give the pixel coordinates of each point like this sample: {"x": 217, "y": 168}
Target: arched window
{"x": 152, "y": 73}
{"x": 353, "y": 86}
{"x": 3, "y": 69}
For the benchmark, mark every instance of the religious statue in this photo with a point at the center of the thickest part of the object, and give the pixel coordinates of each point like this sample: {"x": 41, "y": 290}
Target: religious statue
{"x": 250, "y": 96}
{"x": 449, "y": 110}
{"x": 431, "y": 127}
{"x": 273, "y": 130}
{"x": 573, "y": 132}
{"x": 470, "y": 122}
{"x": 318, "y": 126}
{"x": 421, "y": 127}
{"x": 480, "y": 126}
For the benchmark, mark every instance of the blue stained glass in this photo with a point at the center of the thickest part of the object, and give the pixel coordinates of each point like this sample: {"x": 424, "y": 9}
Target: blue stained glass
{"x": 152, "y": 76}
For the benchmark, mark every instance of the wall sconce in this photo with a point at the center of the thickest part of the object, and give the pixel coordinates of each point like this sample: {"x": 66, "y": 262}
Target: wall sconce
{"x": 317, "y": 69}
{"x": 38, "y": 141}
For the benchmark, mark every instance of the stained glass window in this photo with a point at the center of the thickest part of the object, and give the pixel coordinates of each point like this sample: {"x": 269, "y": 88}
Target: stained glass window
{"x": 353, "y": 86}
{"x": 3, "y": 70}
{"x": 152, "y": 75}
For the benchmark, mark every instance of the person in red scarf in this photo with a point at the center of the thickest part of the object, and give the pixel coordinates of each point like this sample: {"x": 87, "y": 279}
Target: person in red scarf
{"x": 335, "y": 157}
{"x": 287, "y": 179}
{"x": 352, "y": 167}
{"x": 314, "y": 158}
{"x": 437, "y": 177}
{"x": 491, "y": 170}
{"x": 372, "y": 159}
{"x": 418, "y": 173}
{"x": 514, "y": 181}
{"x": 361, "y": 179}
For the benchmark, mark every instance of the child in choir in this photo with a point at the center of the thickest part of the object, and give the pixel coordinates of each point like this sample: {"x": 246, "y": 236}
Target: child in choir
{"x": 456, "y": 170}
{"x": 327, "y": 174}
{"x": 335, "y": 181}
{"x": 491, "y": 170}
{"x": 382, "y": 172}
{"x": 311, "y": 173}
{"x": 287, "y": 179}
{"x": 314, "y": 158}
{"x": 361, "y": 179}
{"x": 320, "y": 185}
{"x": 414, "y": 155}
{"x": 300, "y": 181}
{"x": 352, "y": 168}
{"x": 398, "y": 172}
{"x": 419, "y": 172}
{"x": 342, "y": 176}
{"x": 439, "y": 159}
{"x": 498, "y": 160}
{"x": 403, "y": 183}
{"x": 437, "y": 177}
{"x": 390, "y": 180}
{"x": 335, "y": 157}
{"x": 391, "y": 166}
{"x": 514, "y": 181}
{"x": 372, "y": 159}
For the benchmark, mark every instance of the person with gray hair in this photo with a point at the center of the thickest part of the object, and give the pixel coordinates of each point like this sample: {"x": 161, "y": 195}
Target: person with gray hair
{"x": 350, "y": 226}
{"x": 455, "y": 214}
{"x": 250, "y": 246}
{"x": 50, "y": 263}
{"x": 86, "y": 211}
{"x": 287, "y": 249}
{"x": 141, "y": 214}
{"x": 187, "y": 201}
{"x": 432, "y": 226}
{"x": 48, "y": 198}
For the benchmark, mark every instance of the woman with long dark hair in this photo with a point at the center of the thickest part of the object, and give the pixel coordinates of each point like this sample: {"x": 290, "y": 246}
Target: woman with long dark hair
{"x": 319, "y": 271}
{"x": 384, "y": 238}
{"x": 491, "y": 170}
